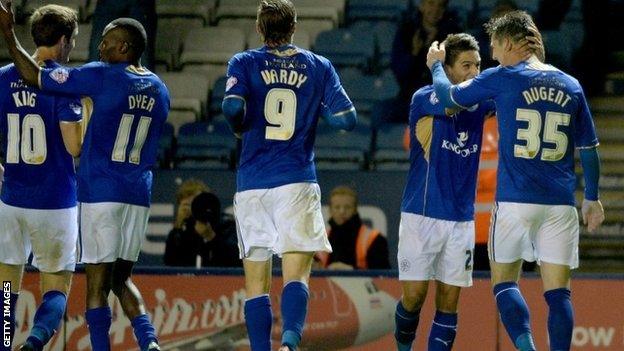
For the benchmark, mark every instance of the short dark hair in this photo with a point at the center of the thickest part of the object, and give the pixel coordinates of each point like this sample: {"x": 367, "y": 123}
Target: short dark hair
{"x": 455, "y": 44}
{"x": 513, "y": 25}
{"x": 276, "y": 20}
{"x": 134, "y": 33}
{"x": 50, "y": 22}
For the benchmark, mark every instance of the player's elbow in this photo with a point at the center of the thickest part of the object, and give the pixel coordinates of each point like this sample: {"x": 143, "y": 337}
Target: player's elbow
{"x": 234, "y": 111}
{"x": 350, "y": 120}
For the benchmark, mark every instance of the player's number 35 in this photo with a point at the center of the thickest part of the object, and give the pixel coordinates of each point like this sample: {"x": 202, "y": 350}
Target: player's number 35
{"x": 531, "y": 135}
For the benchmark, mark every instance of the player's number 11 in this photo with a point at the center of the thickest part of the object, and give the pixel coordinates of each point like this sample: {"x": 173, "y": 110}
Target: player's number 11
{"x": 123, "y": 137}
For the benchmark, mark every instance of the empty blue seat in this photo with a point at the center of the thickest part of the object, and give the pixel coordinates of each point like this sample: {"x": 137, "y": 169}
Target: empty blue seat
{"x": 337, "y": 149}
{"x": 389, "y": 152}
{"x": 344, "y": 47}
{"x": 205, "y": 145}
{"x": 165, "y": 145}
{"x": 367, "y": 90}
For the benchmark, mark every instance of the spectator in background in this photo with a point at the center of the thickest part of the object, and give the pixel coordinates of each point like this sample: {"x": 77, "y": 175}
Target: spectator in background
{"x": 206, "y": 239}
{"x": 184, "y": 197}
{"x": 354, "y": 244}
{"x": 502, "y": 7}
{"x": 418, "y": 29}
{"x": 143, "y": 11}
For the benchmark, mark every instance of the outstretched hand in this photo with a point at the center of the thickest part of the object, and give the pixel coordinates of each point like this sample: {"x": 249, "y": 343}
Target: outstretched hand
{"x": 593, "y": 214}
{"x": 435, "y": 53}
{"x": 7, "y": 19}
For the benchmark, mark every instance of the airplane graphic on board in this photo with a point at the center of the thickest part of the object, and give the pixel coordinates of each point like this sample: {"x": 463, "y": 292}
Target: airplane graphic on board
{"x": 192, "y": 313}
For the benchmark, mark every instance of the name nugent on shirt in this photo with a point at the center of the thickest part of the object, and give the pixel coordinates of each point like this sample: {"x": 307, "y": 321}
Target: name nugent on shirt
{"x": 535, "y": 94}
{"x": 294, "y": 78}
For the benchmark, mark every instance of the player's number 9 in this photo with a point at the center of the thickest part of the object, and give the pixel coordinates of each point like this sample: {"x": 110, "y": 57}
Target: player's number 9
{"x": 123, "y": 136}
{"x": 280, "y": 110}
{"x": 33, "y": 148}
{"x": 531, "y": 135}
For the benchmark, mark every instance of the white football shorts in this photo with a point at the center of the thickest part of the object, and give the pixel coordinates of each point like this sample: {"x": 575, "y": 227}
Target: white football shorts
{"x": 282, "y": 219}
{"x": 50, "y": 234}
{"x": 111, "y": 230}
{"x": 548, "y": 233}
{"x": 431, "y": 248}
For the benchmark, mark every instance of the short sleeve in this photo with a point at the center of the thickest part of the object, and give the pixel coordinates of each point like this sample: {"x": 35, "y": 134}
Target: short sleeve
{"x": 84, "y": 80}
{"x": 475, "y": 90}
{"x": 584, "y": 129}
{"x": 237, "y": 84}
{"x": 69, "y": 109}
{"x": 334, "y": 95}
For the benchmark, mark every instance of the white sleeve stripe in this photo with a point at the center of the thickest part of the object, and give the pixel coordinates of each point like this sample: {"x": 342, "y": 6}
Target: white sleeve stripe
{"x": 234, "y": 97}
{"x": 453, "y": 99}
{"x": 587, "y": 147}
{"x": 343, "y": 112}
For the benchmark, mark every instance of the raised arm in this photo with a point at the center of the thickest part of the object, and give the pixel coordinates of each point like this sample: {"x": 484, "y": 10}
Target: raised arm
{"x": 27, "y": 67}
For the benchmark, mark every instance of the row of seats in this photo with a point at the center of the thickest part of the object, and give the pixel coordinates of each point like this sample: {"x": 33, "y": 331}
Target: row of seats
{"x": 211, "y": 145}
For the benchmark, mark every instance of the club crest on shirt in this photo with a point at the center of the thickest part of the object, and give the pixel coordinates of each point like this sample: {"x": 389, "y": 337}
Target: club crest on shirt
{"x": 230, "y": 83}
{"x": 77, "y": 109}
{"x": 433, "y": 98}
{"x": 59, "y": 75}
{"x": 462, "y": 137}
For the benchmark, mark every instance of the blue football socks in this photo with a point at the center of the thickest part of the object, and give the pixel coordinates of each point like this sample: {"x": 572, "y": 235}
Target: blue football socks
{"x": 143, "y": 331}
{"x": 443, "y": 330}
{"x": 294, "y": 308}
{"x": 560, "y": 319}
{"x": 514, "y": 314}
{"x": 99, "y": 322}
{"x": 405, "y": 327}
{"x": 259, "y": 320}
{"x": 47, "y": 318}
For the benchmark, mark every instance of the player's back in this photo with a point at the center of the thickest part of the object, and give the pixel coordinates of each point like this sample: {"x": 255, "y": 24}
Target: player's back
{"x": 284, "y": 91}
{"x": 121, "y": 141}
{"x": 39, "y": 172}
{"x": 542, "y": 115}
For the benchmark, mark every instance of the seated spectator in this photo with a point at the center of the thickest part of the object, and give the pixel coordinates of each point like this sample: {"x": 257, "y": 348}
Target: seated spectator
{"x": 206, "y": 237}
{"x": 416, "y": 32}
{"x": 354, "y": 244}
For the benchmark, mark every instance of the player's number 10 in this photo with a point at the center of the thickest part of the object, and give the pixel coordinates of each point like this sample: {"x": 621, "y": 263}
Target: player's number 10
{"x": 30, "y": 143}
{"x": 531, "y": 135}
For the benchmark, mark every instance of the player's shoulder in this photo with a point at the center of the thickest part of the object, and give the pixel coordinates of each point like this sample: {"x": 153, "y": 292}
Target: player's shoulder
{"x": 7, "y": 69}
{"x": 493, "y": 72}
{"x": 423, "y": 94}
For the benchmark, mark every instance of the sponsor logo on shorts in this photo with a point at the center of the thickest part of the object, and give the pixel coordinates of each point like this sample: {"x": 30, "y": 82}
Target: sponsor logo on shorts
{"x": 404, "y": 265}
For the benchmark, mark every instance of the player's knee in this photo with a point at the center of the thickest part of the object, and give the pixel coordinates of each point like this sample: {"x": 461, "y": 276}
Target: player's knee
{"x": 413, "y": 300}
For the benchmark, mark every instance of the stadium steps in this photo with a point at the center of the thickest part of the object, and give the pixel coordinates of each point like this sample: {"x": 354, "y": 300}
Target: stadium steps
{"x": 599, "y": 253}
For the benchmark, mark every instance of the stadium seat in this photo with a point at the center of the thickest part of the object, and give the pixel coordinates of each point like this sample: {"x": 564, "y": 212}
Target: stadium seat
{"x": 337, "y": 149}
{"x": 29, "y": 6}
{"x": 179, "y": 118}
{"x": 210, "y": 72}
{"x": 314, "y": 27}
{"x": 344, "y": 47}
{"x": 204, "y": 9}
{"x": 170, "y": 33}
{"x": 389, "y": 152}
{"x": 202, "y": 145}
{"x": 189, "y": 92}
{"x": 247, "y": 25}
{"x": 366, "y": 90}
{"x": 389, "y": 10}
{"x": 237, "y": 9}
{"x": 212, "y": 45}
{"x": 332, "y": 10}
{"x": 383, "y": 33}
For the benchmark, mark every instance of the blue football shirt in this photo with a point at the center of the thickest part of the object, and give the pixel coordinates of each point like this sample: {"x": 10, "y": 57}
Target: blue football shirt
{"x": 542, "y": 115}
{"x": 39, "y": 172}
{"x": 444, "y": 158}
{"x": 130, "y": 107}
{"x": 285, "y": 91}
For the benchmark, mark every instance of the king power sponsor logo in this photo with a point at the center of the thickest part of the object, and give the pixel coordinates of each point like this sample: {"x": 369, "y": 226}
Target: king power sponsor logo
{"x": 459, "y": 147}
